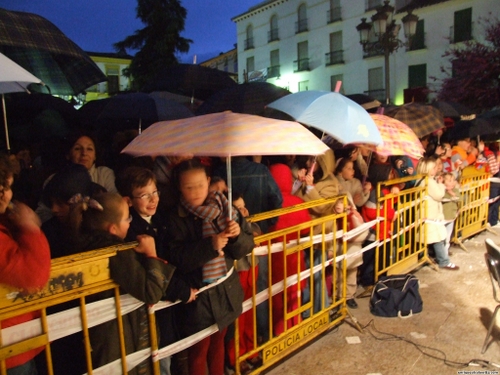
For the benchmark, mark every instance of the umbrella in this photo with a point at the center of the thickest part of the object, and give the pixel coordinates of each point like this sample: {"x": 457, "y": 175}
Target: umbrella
{"x": 423, "y": 119}
{"x": 13, "y": 78}
{"x": 454, "y": 110}
{"x": 197, "y": 81}
{"x": 248, "y": 97}
{"x": 41, "y": 48}
{"x": 365, "y": 101}
{"x": 226, "y": 134}
{"x": 479, "y": 127}
{"x": 398, "y": 138}
{"x": 332, "y": 113}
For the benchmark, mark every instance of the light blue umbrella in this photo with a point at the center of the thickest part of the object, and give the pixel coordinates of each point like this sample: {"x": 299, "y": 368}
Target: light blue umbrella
{"x": 332, "y": 113}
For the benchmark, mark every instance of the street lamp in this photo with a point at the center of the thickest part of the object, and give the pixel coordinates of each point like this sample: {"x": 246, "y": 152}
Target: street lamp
{"x": 386, "y": 30}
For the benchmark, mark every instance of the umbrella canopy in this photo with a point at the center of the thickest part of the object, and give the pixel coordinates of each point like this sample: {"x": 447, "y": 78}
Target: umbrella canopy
{"x": 454, "y": 110}
{"x": 41, "y": 48}
{"x": 332, "y": 113}
{"x": 423, "y": 119}
{"x": 248, "y": 97}
{"x": 365, "y": 101}
{"x": 196, "y": 81}
{"x": 398, "y": 138}
{"x": 226, "y": 134}
{"x": 13, "y": 78}
{"x": 479, "y": 127}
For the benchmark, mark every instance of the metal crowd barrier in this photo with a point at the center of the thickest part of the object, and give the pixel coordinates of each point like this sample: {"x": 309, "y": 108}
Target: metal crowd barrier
{"x": 472, "y": 216}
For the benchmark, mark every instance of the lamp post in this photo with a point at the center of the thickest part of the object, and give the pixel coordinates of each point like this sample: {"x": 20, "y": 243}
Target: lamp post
{"x": 386, "y": 31}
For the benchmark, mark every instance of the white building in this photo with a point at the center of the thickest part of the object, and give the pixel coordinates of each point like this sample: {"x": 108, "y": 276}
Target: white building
{"x": 312, "y": 44}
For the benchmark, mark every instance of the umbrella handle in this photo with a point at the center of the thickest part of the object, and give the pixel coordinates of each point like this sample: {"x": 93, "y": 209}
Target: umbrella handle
{"x": 229, "y": 186}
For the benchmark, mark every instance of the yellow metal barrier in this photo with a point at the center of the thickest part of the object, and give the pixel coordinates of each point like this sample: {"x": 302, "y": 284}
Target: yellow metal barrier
{"x": 472, "y": 217}
{"x": 400, "y": 230}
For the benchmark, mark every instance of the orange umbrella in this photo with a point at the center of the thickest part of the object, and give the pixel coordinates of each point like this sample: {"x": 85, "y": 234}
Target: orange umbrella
{"x": 397, "y": 138}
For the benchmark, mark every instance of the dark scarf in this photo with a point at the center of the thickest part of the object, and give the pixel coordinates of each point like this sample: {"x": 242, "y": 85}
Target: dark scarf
{"x": 214, "y": 212}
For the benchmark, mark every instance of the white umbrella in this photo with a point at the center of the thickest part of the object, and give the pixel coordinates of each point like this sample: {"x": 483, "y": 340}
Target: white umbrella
{"x": 13, "y": 78}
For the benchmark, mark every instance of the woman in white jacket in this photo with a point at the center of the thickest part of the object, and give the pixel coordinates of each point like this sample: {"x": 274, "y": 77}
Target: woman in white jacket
{"x": 434, "y": 225}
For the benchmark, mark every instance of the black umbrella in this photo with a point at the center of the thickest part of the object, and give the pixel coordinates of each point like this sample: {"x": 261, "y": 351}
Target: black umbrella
{"x": 250, "y": 98}
{"x": 479, "y": 127}
{"x": 365, "y": 101}
{"x": 42, "y": 49}
{"x": 454, "y": 110}
{"x": 196, "y": 81}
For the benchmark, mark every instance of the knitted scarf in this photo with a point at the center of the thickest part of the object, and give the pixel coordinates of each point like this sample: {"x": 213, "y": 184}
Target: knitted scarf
{"x": 214, "y": 213}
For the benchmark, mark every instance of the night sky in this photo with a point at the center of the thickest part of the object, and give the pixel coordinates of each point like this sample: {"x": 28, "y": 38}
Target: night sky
{"x": 96, "y": 24}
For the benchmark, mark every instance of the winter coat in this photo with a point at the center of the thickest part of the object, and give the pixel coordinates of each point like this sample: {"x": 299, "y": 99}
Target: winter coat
{"x": 369, "y": 213}
{"x": 257, "y": 186}
{"x": 353, "y": 186}
{"x": 24, "y": 264}
{"x": 435, "y": 229}
{"x": 189, "y": 251}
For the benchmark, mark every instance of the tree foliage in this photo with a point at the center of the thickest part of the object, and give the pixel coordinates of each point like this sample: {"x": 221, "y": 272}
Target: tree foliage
{"x": 158, "y": 42}
{"x": 473, "y": 79}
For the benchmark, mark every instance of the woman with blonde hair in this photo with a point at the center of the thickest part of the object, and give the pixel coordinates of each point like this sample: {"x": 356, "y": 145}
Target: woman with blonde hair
{"x": 435, "y": 229}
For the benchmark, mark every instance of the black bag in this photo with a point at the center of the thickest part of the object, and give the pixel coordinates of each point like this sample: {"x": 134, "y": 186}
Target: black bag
{"x": 396, "y": 295}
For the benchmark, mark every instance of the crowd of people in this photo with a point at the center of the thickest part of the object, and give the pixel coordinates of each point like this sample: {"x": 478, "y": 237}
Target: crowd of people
{"x": 177, "y": 211}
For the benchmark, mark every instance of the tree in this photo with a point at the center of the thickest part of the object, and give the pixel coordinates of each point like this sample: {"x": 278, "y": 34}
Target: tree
{"x": 158, "y": 42}
{"x": 474, "y": 77}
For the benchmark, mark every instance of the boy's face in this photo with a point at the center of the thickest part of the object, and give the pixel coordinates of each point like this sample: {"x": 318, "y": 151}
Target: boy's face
{"x": 145, "y": 199}
{"x": 240, "y": 205}
{"x": 449, "y": 182}
{"x": 193, "y": 185}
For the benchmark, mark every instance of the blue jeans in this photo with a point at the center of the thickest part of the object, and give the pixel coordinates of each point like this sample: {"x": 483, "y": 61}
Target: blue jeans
{"x": 28, "y": 368}
{"x": 441, "y": 254}
{"x": 319, "y": 291}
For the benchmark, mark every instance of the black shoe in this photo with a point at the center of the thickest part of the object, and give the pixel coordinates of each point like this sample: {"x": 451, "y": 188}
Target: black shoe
{"x": 352, "y": 303}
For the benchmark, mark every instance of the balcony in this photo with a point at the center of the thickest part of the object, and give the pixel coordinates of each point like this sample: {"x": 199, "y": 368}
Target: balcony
{"x": 273, "y": 71}
{"x": 372, "y": 49}
{"x": 301, "y": 65}
{"x": 301, "y": 26}
{"x": 372, "y": 4}
{"x": 334, "y": 15}
{"x": 272, "y": 35}
{"x": 334, "y": 57}
{"x": 249, "y": 44}
{"x": 378, "y": 94}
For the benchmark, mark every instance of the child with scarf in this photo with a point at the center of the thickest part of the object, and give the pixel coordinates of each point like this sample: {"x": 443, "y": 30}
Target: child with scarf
{"x": 203, "y": 244}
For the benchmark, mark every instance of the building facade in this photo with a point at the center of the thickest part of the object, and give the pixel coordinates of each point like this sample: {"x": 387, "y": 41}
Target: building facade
{"x": 225, "y": 61}
{"x": 112, "y": 65}
{"x": 313, "y": 44}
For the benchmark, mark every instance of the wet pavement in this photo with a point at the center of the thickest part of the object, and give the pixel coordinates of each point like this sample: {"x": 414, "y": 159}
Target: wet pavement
{"x": 445, "y": 338}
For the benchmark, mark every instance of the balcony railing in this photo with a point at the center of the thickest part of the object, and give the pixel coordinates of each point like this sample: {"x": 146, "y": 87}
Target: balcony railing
{"x": 334, "y": 57}
{"x": 249, "y": 43}
{"x": 273, "y": 71}
{"x": 371, "y": 51}
{"x": 272, "y": 35}
{"x": 301, "y": 26}
{"x": 301, "y": 65}
{"x": 372, "y": 4}
{"x": 334, "y": 15}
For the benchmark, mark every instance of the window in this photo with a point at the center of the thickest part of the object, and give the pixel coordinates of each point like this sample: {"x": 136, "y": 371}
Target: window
{"x": 376, "y": 84}
{"x": 462, "y": 29}
{"x": 301, "y": 24}
{"x": 302, "y": 63}
{"x": 273, "y": 30}
{"x": 333, "y": 82}
{"x": 372, "y": 4}
{"x": 336, "y": 55}
{"x": 250, "y": 64}
{"x": 249, "y": 39}
{"x": 418, "y": 40}
{"x": 334, "y": 13}
{"x": 303, "y": 85}
{"x": 417, "y": 75}
{"x": 113, "y": 74}
{"x": 274, "y": 69}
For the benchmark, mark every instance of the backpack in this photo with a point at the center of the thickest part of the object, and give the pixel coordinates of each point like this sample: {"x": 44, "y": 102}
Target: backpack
{"x": 396, "y": 295}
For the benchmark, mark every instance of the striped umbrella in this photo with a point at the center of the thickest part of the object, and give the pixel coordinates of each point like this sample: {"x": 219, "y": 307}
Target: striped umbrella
{"x": 226, "y": 134}
{"x": 397, "y": 138}
{"x": 423, "y": 119}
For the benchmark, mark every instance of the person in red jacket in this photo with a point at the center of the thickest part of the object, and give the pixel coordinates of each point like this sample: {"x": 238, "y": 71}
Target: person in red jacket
{"x": 282, "y": 174}
{"x": 24, "y": 258}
